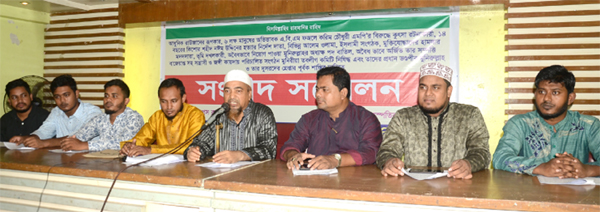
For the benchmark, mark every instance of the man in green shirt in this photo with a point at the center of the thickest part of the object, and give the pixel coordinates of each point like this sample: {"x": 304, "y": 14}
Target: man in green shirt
{"x": 551, "y": 141}
{"x": 435, "y": 132}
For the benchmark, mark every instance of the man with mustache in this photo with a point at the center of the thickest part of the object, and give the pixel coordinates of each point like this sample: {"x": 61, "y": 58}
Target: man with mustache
{"x": 105, "y": 131}
{"x": 551, "y": 141}
{"x": 167, "y": 128}
{"x": 65, "y": 119}
{"x": 435, "y": 132}
{"x": 249, "y": 130}
{"x": 25, "y": 117}
{"x": 338, "y": 133}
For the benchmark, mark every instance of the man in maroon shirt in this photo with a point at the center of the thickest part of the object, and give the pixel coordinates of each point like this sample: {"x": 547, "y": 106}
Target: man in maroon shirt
{"x": 339, "y": 133}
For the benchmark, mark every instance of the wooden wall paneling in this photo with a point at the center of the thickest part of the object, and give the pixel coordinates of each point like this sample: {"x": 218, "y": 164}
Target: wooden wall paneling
{"x": 165, "y": 10}
{"x": 89, "y": 47}
{"x": 543, "y": 33}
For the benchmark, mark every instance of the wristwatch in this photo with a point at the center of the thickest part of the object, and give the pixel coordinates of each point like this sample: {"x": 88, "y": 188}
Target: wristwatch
{"x": 338, "y": 157}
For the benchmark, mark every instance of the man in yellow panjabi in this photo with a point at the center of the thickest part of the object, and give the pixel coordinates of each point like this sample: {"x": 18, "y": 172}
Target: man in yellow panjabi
{"x": 168, "y": 127}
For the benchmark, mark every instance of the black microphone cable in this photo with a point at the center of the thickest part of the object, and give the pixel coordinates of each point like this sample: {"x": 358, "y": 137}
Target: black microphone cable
{"x": 225, "y": 108}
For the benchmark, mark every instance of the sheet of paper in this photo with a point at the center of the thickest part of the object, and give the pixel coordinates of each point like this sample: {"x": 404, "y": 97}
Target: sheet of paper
{"x": 315, "y": 172}
{"x": 10, "y": 145}
{"x": 424, "y": 176}
{"x": 67, "y": 152}
{"x": 109, "y": 153}
{"x": 226, "y": 165}
{"x": 167, "y": 159}
{"x": 568, "y": 181}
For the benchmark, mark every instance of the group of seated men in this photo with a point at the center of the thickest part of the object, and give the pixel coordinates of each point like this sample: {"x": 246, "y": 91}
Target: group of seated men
{"x": 550, "y": 141}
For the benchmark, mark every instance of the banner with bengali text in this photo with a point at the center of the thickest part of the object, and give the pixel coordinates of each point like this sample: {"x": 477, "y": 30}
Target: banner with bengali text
{"x": 382, "y": 55}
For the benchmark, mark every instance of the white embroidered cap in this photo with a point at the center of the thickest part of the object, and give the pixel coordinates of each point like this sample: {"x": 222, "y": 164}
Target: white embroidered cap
{"x": 238, "y": 75}
{"x": 436, "y": 69}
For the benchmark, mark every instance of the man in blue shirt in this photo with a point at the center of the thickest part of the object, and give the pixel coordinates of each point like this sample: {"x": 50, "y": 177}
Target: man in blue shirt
{"x": 551, "y": 141}
{"x": 65, "y": 119}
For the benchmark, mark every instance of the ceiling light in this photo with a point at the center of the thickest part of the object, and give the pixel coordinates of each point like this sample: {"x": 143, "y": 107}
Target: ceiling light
{"x": 24, "y": 3}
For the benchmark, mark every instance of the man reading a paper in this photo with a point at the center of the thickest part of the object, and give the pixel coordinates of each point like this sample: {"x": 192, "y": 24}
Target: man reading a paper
{"x": 551, "y": 141}
{"x": 435, "y": 133}
{"x": 338, "y": 133}
{"x": 168, "y": 127}
{"x": 249, "y": 130}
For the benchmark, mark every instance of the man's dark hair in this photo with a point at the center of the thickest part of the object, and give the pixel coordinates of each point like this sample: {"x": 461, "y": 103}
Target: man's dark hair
{"x": 556, "y": 74}
{"x": 121, "y": 84}
{"x": 341, "y": 78}
{"x": 170, "y": 83}
{"x": 17, "y": 83}
{"x": 63, "y": 80}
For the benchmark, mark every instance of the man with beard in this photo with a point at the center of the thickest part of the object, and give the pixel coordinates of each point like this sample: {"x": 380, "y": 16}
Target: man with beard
{"x": 24, "y": 118}
{"x": 167, "y": 128}
{"x": 435, "y": 133}
{"x": 249, "y": 130}
{"x": 105, "y": 131}
{"x": 338, "y": 133}
{"x": 551, "y": 141}
{"x": 65, "y": 119}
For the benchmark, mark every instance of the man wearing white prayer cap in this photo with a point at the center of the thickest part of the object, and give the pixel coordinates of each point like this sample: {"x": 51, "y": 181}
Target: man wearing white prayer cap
{"x": 435, "y": 132}
{"x": 249, "y": 130}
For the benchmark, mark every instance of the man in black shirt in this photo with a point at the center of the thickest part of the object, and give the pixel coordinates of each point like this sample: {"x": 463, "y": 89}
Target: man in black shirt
{"x": 24, "y": 118}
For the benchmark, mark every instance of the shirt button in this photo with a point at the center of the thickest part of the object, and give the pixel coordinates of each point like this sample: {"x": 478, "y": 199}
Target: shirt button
{"x": 22, "y": 123}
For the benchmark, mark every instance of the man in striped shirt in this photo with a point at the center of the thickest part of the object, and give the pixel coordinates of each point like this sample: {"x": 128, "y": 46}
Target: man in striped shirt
{"x": 249, "y": 129}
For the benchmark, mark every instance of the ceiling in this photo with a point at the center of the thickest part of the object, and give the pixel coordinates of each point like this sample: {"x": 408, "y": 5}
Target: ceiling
{"x": 57, "y": 6}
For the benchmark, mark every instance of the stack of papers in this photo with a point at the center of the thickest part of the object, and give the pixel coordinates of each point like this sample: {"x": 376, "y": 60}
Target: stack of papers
{"x": 167, "y": 159}
{"x": 425, "y": 176}
{"x": 569, "y": 181}
{"x": 10, "y": 145}
{"x": 315, "y": 172}
{"x": 226, "y": 165}
{"x": 68, "y": 152}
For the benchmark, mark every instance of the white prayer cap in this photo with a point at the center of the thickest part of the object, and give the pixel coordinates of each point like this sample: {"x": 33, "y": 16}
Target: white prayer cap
{"x": 238, "y": 75}
{"x": 436, "y": 69}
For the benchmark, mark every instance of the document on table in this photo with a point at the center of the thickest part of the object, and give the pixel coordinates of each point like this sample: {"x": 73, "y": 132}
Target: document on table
{"x": 569, "y": 181}
{"x": 167, "y": 159}
{"x": 10, "y": 145}
{"x": 425, "y": 176}
{"x": 107, "y": 154}
{"x": 226, "y": 165}
{"x": 315, "y": 172}
{"x": 68, "y": 152}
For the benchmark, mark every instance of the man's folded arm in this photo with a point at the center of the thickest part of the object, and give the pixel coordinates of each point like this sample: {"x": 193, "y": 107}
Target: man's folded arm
{"x": 478, "y": 148}
{"x": 266, "y": 138}
{"x": 392, "y": 144}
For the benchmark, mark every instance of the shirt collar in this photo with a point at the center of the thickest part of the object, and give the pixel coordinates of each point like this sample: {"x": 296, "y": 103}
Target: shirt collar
{"x": 565, "y": 122}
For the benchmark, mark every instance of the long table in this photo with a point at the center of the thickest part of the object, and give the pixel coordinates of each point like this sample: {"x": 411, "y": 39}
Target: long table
{"x": 73, "y": 182}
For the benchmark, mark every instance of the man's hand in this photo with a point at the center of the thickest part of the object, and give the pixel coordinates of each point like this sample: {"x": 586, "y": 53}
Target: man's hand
{"x": 460, "y": 169}
{"x": 393, "y": 167}
{"x": 72, "y": 143}
{"x": 132, "y": 150}
{"x": 323, "y": 162}
{"x": 17, "y": 139}
{"x": 575, "y": 168}
{"x": 297, "y": 160}
{"x": 560, "y": 166}
{"x": 34, "y": 141}
{"x": 230, "y": 157}
{"x": 127, "y": 147}
{"x": 193, "y": 154}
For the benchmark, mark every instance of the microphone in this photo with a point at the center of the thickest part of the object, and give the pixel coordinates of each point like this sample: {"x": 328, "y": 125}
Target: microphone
{"x": 223, "y": 109}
